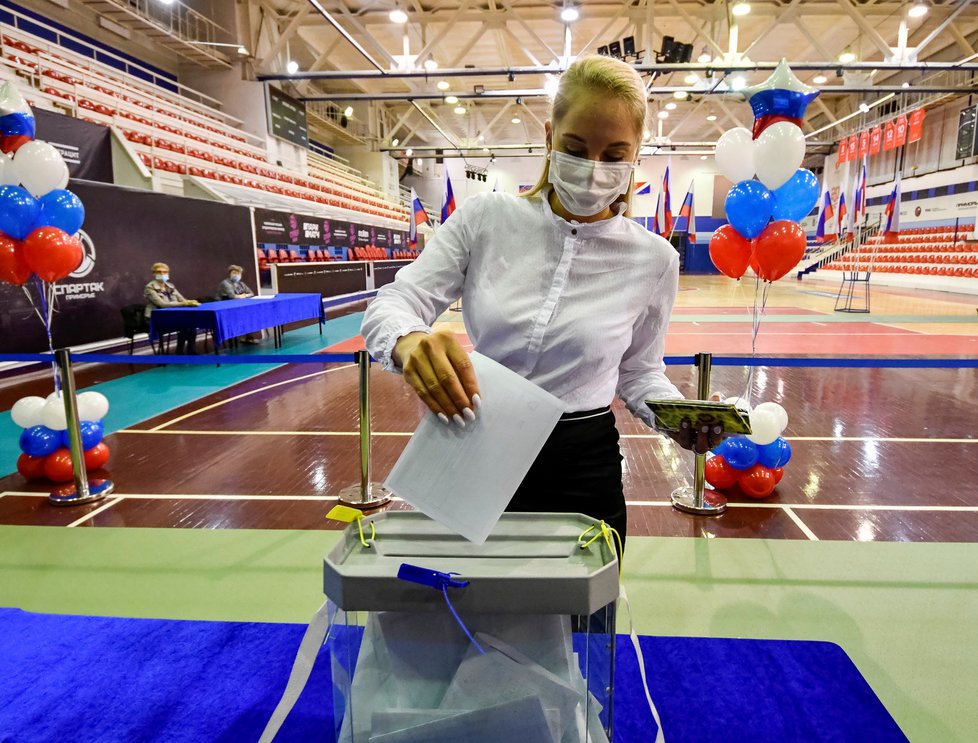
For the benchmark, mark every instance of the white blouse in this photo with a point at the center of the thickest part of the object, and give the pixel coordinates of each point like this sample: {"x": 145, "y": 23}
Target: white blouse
{"x": 581, "y": 310}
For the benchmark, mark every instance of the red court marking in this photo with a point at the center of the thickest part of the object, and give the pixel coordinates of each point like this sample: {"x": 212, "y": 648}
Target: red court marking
{"x": 786, "y": 328}
{"x": 692, "y": 310}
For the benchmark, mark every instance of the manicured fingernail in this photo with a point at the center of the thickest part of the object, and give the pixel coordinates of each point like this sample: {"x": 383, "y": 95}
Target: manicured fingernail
{"x": 476, "y": 402}
{"x": 469, "y": 415}
{"x": 458, "y": 420}
{"x": 705, "y": 429}
{"x": 443, "y": 418}
{"x": 717, "y": 430}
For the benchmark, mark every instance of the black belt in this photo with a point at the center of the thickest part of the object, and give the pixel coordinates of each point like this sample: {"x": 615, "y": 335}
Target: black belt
{"x": 579, "y": 415}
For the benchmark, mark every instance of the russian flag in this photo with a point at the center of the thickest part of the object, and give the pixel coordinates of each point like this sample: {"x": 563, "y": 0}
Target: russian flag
{"x": 665, "y": 217}
{"x": 686, "y": 210}
{"x": 892, "y": 231}
{"x": 825, "y": 216}
{"x": 845, "y": 224}
{"x": 860, "y": 205}
{"x": 655, "y": 217}
{"x": 418, "y": 217}
{"x": 448, "y": 206}
{"x": 643, "y": 187}
{"x": 16, "y": 119}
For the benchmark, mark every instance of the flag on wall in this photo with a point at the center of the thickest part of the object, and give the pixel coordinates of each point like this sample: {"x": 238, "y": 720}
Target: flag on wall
{"x": 859, "y": 208}
{"x": 448, "y": 203}
{"x": 643, "y": 187}
{"x": 892, "y": 231}
{"x": 825, "y": 216}
{"x": 663, "y": 208}
{"x": 418, "y": 217}
{"x": 686, "y": 210}
{"x": 845, "y": 223}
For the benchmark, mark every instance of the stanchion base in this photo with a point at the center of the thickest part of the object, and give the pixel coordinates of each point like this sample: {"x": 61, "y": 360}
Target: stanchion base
{"x": 376, "y": 496}
{"x": 684, "y": 499}
{"x": 68, "y": 495}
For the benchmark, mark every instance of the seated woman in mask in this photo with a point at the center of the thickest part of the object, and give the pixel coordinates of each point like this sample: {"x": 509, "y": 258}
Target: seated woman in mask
{"x": 161, "y": 293}
{"x": 558, "y": 285}
{"x": 234, "y": 288}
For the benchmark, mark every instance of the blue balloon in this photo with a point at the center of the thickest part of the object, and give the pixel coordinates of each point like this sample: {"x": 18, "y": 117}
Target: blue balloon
{"x": 770, "y": 455}
{"x": 749, "y": 207}
{"x": 741, "y": 452}
{"x": 91, "y": 435}
{"x": 18, "y": 211}
{"x": 39, "y": 441}
{"x": 61, "y": 209}
{"x": 796, "y": 198}
{"x": 722, "y": 448}
{"x": 785, "y": 454}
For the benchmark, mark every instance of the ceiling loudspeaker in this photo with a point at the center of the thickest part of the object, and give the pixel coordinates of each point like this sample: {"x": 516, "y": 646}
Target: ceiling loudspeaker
{"x": 674, "y": 51}
{"x": 614, "y": 49}
{"x": 603, "y": 50}
{"x": 628, "y": 46}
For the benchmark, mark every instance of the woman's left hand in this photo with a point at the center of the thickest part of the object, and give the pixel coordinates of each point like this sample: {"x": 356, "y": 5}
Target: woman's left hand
{"x": 700, "y": 436}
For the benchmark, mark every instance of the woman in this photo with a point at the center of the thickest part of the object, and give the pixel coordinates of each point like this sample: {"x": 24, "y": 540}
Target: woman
{"x": 558, "y": 286}
{"x": 161, "y": 293}
{"x": 234, "y": 288}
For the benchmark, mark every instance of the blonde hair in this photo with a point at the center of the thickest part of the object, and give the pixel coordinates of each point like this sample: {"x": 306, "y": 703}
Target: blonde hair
{"x": 598, "y": 74}
{"x": 232, "y": 268}
{"x": 157, "y": 266}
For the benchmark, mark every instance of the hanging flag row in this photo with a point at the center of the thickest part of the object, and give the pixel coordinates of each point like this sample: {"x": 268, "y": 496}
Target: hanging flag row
{"x": 883, "y": 137}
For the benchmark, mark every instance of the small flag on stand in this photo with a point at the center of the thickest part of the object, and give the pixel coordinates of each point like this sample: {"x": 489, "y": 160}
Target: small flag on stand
{"x": 448, "y": 204}
{"x": 824, "y": 217}
{"x": 418, "y": 217}
{"x": 892, "y": 231}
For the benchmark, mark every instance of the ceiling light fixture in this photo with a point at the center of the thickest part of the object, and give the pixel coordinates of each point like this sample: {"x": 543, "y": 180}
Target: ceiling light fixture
{"x": 738, "y": 83}
{"x": 569, "y": 14}
{"x": 918, "y": 9}
{"x": 905, "y": 85}
{"x": 691, "y": 79}
{"x": 451, "y": 100}
{"x": 408, "y": 152}
{"x": 430, "y": 65}
{"x": 443, "y": 85}
{"x": 242, "y": 51}
{"x": 864, "y": 107}
{"x": 704, "y": 58}
{"x": 515, "y": 120}
{"x": 460, "y": 110}
{"x": 703, "y": 157}
{"x": 680, "y": 95}
{"x": 663, "y": 114}
{"x": 348, "y": 111}
{"x": 820, "y": 79}
{"x": 398, "y": 16}
{"x": 292, "y": 67}
{"x": 395, "y": 142}
{"x": 740, "y": 9}
{"x": 670, "y": 106}
{"x": 846, "y": 57}
{"x": 711, "y": 117}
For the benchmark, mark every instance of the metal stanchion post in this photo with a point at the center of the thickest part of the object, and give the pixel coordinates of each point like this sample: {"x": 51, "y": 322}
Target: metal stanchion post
{"x": 697, "y": 500}
{"x": 367, "y": 494}
{"x": 84, "y": 490}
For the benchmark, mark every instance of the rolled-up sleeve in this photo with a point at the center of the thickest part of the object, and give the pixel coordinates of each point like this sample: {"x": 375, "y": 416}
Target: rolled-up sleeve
{"x": 642, "y": 372}
{"x": 423, "y": 290}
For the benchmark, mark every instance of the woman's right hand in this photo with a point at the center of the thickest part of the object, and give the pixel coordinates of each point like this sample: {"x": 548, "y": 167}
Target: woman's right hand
{"x": 440, "y": 371}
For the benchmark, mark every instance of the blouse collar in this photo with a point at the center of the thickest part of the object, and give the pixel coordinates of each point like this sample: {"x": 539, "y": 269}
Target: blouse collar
{"x": 585, "y": 229}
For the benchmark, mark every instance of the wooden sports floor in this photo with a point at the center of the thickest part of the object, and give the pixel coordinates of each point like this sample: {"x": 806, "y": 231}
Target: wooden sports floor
{"x": 879, "y": 454}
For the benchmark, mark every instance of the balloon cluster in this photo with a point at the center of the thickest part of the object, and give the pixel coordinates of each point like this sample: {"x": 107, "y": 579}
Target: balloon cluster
{"x": 782, "y": 192}
{"x": 754, "y": 462}
{"x": 44, "y": 440}
{"x": 38, "y": 217}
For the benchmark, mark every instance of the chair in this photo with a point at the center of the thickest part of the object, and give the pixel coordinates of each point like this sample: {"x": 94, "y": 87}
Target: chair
{"x": 134, "y": 321}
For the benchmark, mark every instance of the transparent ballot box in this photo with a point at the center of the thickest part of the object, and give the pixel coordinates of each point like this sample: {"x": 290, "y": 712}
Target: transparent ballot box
{"x": 434, "y": 639}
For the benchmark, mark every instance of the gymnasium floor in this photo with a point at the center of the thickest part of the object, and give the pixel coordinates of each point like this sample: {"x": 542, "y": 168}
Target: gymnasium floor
{"x": 870, "y": 540}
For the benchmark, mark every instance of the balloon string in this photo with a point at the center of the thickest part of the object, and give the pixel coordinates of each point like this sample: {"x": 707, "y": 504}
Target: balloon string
{"x": 45, "y": 294}
{"x": 759, "y": 313}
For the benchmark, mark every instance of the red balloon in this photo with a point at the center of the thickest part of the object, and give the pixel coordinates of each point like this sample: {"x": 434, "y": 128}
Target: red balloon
{"x": 97, "y": 456}
{"x": 13, "y": 269}
{"x": 57, "y": 466}
{"x": 719, "y": 473}
{"x": 32, "y": 468}
{"x": 778, "y": 473}
{"x": 757, "y": 482}
{"x": 730, "y": 251}
{"x": 779, "y": 248}
{"x": 13, "y": 142}
{"x": 51, "y": 253}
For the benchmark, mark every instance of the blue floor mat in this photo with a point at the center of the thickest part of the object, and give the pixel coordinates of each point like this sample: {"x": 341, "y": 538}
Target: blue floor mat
{"x": 140, "y": 680}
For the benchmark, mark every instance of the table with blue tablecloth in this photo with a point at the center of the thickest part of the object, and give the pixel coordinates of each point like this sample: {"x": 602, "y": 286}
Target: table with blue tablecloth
{"x": 231, "y": 318}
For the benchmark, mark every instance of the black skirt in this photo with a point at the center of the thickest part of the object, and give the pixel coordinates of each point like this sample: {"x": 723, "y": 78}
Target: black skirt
{"x": 577, "y": 471}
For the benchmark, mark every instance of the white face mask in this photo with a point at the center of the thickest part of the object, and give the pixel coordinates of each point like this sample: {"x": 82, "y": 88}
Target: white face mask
{"x": 164, "y": 277}
{"x": 587, "y": 187}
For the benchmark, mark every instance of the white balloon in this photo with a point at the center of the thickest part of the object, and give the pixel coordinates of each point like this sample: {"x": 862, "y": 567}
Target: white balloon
{"x": 779, "y": 412}
{"x": 778, "y": 153}
{"x": 56, "y": 395}
{"x": 26, "y": 412}
{"x": 735, "y": 154}
{"x": 40, "y": 168}
{"x": 8, "y": 173}
{"x": 53, "y": 415}
{"x": 738, "y": 402}
{"x": 92, "y": 406}
{"x": 765, "y": 427}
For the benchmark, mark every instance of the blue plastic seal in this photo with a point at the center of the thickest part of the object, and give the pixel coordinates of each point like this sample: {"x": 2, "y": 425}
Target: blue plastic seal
{"x": 428, "y": 577}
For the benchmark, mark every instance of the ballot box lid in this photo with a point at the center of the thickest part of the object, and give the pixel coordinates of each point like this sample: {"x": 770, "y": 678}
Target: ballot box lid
{"x": 532, "y": 563}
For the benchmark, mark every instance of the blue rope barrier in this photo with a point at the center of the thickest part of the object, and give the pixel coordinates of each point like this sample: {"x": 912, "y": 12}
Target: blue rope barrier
{"x": 334, "y": 358}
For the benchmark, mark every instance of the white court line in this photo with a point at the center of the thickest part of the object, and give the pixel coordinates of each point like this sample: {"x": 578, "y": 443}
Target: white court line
{"x": 638, "y": 503}
{"x": 97, "y": 511}
{"x": 252, "y": 392}
{"x": 801, "y": 524}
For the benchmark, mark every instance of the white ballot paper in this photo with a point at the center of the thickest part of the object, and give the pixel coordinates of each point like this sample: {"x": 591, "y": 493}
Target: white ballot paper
{"x": 465, "y": 477}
